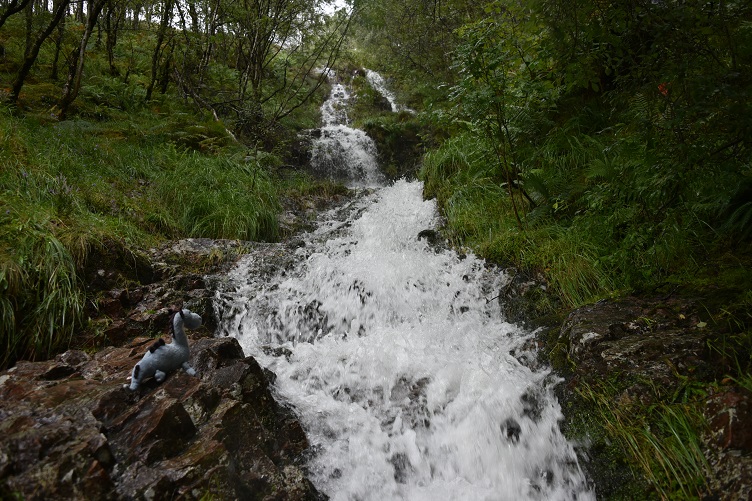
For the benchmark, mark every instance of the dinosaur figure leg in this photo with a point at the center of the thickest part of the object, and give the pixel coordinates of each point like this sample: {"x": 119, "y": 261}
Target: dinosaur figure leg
{"x": 160, "y": 376}
{"x": 135, "y": 377}
{"x": 190, "y": 370}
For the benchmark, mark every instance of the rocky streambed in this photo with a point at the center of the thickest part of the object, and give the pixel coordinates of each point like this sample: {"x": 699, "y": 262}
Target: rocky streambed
{"x": 70, "y": 430}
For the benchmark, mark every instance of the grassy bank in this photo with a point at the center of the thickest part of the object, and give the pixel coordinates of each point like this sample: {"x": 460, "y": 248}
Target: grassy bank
{"x": 591, "y": 236}
{"x": 73, "y": 192}
{"x": 164, "y": 140}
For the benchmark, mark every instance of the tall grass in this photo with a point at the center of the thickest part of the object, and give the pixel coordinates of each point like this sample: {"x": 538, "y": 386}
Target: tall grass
{"x": 41, "y": 298}
{"x": 463, "y": 155}
{"x": 660, "y": 439}
{"x": 72, "y": 190}
{"x": 219, "y": 198}
{"x": 462, "y": 175}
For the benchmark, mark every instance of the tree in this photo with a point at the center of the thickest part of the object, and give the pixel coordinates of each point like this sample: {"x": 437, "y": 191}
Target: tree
{"x": 415, "y": 37}
{"x": 503, "y": 74}
{"x": 268, "y": 55}
{"x": 33, "y": 46}
{"x": 113, "y": 19}
{"x": 77, "y": 58}
{"x": 14, "y": 7}
{"x": 164, "y": 24}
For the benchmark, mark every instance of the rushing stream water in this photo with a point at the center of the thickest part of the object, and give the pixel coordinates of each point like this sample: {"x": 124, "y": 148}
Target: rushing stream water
{"x": 408, "y": 382}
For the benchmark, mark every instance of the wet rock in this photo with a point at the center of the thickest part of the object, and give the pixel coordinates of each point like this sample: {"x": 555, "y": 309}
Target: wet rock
{"x": 70, "y": 430}
{"x": 525, "y": 298}
{"x": 657, "y": 342}
{"x": 110, "y": 264}
{"x": 728, "y": 442}
{"x": 410, "y": 396}
{"x": 532, "y": 405}
{"x": 434, "y": 240}
{"x": 146, "y": 310}
{"x": 179, "y": 272}
{"x": 511, "y": 429}
{"x": 729, "y": 415}
{"x": 647, "y": 351}
{"x": 402, "y": 467}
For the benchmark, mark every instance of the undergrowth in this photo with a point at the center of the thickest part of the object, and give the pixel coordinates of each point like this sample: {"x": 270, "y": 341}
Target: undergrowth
{"x": 661, "y": 440}
{"x": 462, "y": 175}
{"x": 73, "y": 190}
{"x": 590, "y": 221}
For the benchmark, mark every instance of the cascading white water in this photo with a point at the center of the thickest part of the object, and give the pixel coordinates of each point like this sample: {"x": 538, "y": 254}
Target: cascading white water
{"x": 377, "y": 82}
{"x": 334, "y": 109}
{"x": 341, "y": 152}
{"x": 407, "y": 380}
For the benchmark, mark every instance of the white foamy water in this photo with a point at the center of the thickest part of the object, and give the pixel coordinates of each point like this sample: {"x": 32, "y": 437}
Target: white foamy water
{"x": 348, "y": 155}
{"x": 334, "y": 109}
{"x": 341, "y": 152}
{"x": 377, "y": 82}
{"x": 404, "y": 375}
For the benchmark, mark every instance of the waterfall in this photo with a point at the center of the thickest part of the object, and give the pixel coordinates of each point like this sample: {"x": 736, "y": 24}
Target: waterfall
{"x": 377, "y": 82}
{"x": 341, "y": 152}
{"x": 408, "y": 382}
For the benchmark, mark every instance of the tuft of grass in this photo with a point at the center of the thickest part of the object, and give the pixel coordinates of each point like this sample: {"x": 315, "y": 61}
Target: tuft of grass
{"x": 661, "y": 440}
{"x": 458, "y": 158}
{"x": 219, "y": 198}
{"x": 745, "y": 381}
{"x": 41, "y": 297}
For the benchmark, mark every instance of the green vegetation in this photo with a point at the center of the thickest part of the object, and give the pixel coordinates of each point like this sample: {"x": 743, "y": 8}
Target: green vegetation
{"x": 605, "y": 145}
{"x": 661, "y": 439}
{"x": 174, "y": 127}
{"x": 76, "y": 189}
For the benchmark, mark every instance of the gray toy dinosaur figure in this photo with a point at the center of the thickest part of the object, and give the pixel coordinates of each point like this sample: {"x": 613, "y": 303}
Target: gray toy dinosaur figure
{"x": 162, "y": 358}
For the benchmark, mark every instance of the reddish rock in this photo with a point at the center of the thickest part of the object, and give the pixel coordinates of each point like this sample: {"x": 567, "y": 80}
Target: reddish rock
{"x": 729, "y": 416}
{"x": 650, "y": 349}
{"x": 112, "y": 307}
{"x": 70, "y": 430}
{"x": 631, "y": 336}
{"x": 728, "y": 443}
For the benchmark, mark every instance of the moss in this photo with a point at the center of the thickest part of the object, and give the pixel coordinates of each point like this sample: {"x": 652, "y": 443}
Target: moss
{"x": 398, "y": 141}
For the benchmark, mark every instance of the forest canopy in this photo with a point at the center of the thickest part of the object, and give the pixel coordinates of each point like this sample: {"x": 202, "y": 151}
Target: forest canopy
{"x": 249, "y": 62}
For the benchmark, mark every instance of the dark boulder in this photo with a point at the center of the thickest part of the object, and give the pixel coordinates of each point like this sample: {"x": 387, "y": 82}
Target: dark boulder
{"x": 643, "y": 353}
{"x": 69, "y": 429}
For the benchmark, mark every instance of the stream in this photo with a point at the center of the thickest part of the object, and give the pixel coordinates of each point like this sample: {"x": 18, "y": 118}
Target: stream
{"x": 395, "y": 354}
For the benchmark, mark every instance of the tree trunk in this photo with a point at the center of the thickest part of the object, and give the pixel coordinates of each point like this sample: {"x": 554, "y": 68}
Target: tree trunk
{"x": 29, "y": 12}
{"x": 194, "y": 18}
{"x": 33, "y": 51}
{"x": 164, "y": 79}
{"x": 80, "y": 11}
{"x": 13, "y": 8}
{"x": 115, "y": 14}
{"x": 73, "y": 82}
{"x": 136, "y": 14}
{"x": 163, "y": 25}
{"x": 58, "y": 46}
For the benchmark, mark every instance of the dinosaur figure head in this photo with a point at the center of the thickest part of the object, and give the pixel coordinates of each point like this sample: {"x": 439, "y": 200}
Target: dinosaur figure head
{"x": 190, "y": 320}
